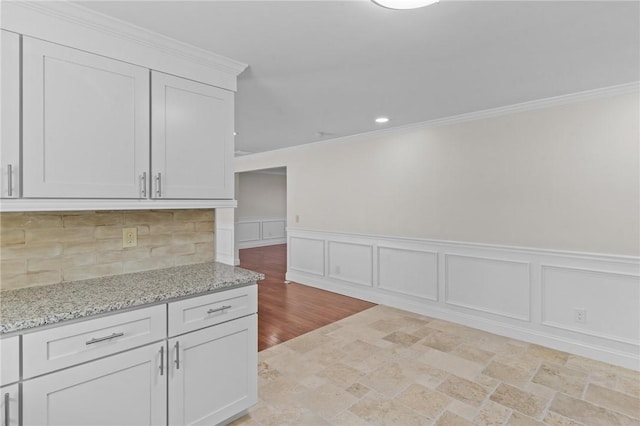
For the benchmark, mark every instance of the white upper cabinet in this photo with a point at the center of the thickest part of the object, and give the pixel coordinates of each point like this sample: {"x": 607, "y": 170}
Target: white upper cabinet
{"x": 10, "y": 115}
{"x": 85, "y": 124}
{"x": 192, "y": 139}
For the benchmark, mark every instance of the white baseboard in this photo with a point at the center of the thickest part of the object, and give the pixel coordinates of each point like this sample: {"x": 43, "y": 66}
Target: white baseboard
{"x": 261, "y": 243}
{"x": 521, "y": 293}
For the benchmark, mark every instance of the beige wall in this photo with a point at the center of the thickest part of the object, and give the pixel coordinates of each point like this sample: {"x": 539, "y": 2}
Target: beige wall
{"x": 46, "y": 248}
{"x": 261, "y": 195}
{"x": 564, "y": 177}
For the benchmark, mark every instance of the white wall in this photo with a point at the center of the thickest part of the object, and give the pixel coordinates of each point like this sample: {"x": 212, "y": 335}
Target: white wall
{"x": 262, "y": 209}
{"x": 261, "y": 194}
{"x": 508, "y": 223}
{"x": 563, "y": 177}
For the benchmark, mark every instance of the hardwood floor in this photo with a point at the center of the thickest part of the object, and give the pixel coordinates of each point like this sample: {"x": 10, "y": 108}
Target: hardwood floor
{"x": 286, "y": 311}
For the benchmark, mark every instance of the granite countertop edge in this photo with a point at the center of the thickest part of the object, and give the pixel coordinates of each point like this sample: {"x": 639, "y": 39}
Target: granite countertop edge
{"x": 31, "y": 307}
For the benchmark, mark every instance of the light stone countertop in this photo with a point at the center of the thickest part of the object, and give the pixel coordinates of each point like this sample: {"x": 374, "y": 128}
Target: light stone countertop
{"x": 26, "y": 308}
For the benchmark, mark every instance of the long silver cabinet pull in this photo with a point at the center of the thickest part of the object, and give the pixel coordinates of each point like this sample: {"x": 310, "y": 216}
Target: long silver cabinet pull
{"x": 177, "y": 355}
{"x": 6, "y": 409}
{"x": 143, "y": 184}
{"x": 162, "y": 360}
{"x": 10, "y": 180}
{"x": 159, "y": 185}
{"x": 102, "y": 339}
{"x": 213, "y": 311}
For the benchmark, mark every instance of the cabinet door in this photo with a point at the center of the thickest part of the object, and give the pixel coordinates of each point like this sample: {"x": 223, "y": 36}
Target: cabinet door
{"x": 9, "y": 406}
{"x": 125, "y": 389}
{"x": 192, "y": 139}
{"x": 213, "y": 373}
{"x": 10, "y": 115}
{"x": 85, "y": 124}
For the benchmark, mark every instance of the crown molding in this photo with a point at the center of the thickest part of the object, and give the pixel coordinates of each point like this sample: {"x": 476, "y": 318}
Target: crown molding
{"x": 603, "y": 92}
{"x": 113, "y": 27}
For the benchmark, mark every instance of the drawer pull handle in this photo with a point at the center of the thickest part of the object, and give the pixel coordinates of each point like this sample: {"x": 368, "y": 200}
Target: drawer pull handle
{"x": 143, "y": 184}
{"x": 178, "y": 355}
{"x": 213, "y": 311}
{"x": 161, "y": 360}
{"x": 159, "y": 185}
{"x": 102, "y": 339}
{"x": 6, "y": 409}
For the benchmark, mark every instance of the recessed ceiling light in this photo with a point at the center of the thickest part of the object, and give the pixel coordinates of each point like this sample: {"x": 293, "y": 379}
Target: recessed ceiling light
{"x": 381, "y": 120}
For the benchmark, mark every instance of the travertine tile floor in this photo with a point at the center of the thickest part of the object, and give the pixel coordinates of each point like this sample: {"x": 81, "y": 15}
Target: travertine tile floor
{"x": 384, "y": 366}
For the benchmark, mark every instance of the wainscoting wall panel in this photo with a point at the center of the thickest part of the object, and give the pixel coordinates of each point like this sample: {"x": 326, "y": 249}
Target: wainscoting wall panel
{"x": 408, "y": 271}
{"x": 522, "y": 293}
{"x": 260, "y": 232}
{"x": 306, "y": 255}
{"x": 495, "y": 286}
{"x": 565, "y": 290}
{"x": 350, "y": 262}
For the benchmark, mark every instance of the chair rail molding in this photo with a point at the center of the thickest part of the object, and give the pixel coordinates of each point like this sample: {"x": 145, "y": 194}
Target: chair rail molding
{"x": 523, "y": 293}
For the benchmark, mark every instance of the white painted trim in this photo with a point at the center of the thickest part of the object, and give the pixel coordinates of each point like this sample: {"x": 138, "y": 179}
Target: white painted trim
{"x": 36, "y": 205}
{"x": 260, "y": 241}
{"x": 448, "y": 301}
{"x": 263, "y": 243}
{"x": 450, "y": 243}
{"x": 410, "y": 250}
{"x": 224, "y": 236}
{"x": 471, "y": 116}
{"x": 308, "y": 271}
{"x": 329, "y": 268}
{"x": 590, "y": 343}
{"x": 571, "y": 345}
{"x": 543, "y": 285}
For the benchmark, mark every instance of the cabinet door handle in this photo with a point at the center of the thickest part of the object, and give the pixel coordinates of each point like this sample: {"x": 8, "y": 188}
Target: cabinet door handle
{"x": 10, "y": 180}
{"x": 213, "y": 311}
{"x": 102, "y": 339}
{"x": 162, "y": 360}
{"x": 6, "y": 409}
{"x": 159, "y": 185}
{"x": 143, "y": 184}
{"x": 177, "y": 355}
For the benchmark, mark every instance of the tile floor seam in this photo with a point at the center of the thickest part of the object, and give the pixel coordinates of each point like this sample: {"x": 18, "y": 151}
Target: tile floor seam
{"x": 430, "y": 367}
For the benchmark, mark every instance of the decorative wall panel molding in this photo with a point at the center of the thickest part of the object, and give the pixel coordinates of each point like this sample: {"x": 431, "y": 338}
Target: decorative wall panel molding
{"x": 523, "y": 293}
{"x": 260, "y": 232}
{"x": 306, "y": 255}
{"x": 351, "y": 262}
{"x": 494, "y": 286}
{"x": 408, "y": 271}
{"x": 602, "y": 295}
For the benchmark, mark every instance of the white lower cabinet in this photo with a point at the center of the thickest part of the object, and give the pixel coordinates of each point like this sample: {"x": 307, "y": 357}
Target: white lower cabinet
{"x": 9, "y": 405}
{"x": 124, "y": 389}
{"x": 127, "y": 369}
{"x": 213, "y": 373}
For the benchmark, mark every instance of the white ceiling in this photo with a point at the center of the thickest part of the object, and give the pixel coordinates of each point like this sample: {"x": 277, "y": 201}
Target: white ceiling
{"x": 323, "y": 69}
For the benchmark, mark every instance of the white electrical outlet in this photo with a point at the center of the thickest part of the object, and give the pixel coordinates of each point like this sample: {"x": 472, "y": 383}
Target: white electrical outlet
{"x": 338, "y": 270}
{"x": 129, "y": 237}
{"x": 580, "y": 315}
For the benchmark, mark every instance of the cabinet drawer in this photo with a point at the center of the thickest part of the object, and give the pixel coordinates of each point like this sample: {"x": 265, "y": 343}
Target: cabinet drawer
{"x": 203, "y": 311}
{"x": 9, "y": 360}
{"x": 60, "y": 347}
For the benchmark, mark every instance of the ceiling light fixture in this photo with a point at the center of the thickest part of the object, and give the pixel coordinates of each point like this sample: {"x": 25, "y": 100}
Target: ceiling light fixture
{"x": 404, "y": 4}
{"x": 381, "y": 120}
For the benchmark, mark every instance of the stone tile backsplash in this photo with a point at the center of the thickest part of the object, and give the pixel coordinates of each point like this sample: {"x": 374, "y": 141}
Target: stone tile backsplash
{"x": 39, "y": 248}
